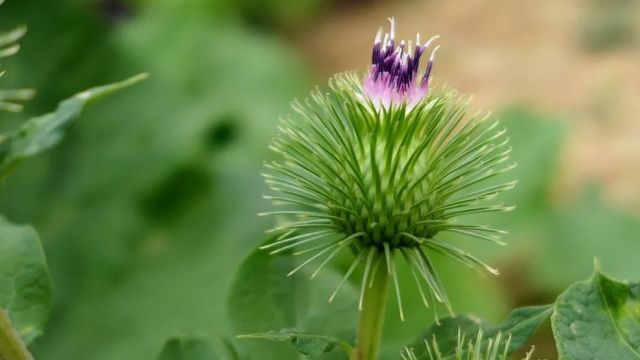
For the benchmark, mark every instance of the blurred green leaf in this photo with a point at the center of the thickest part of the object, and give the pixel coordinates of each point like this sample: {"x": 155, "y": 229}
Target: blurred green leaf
{"x": 557, "y": 240}
{"x": 520, "y": 325}
{"x": 598, "y": 319}
{"x": 192, "y": 347}
{"x": 117, "y": 233}
{"x": 25, "y": 285}
{"x": 11, "y": 345}
{"x": 578, "y": 232}
{"x": 537, "y": 141}
{"x": 41, "y": 133}
{"x": 263, "y": 299}
{"x": 306, "y": 344}
{"x": 281, "y": 14}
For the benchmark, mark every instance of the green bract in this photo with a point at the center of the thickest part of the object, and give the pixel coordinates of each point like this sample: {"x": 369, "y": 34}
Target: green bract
{"x": 384, "y": 181}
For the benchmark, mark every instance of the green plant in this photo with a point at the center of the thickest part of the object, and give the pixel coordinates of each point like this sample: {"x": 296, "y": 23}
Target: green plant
{"x": 380, "y": 169}
{"x": 477, "y": 348}
{"x": 25, "y": 283}
{"x": 377, "y": 182}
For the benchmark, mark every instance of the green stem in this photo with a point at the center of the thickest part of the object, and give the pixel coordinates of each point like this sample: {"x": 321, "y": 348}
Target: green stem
{"x": 372, "y": 314}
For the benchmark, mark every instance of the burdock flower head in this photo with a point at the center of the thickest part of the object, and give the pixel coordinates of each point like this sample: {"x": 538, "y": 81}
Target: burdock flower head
{"x": 394, "y": 76}
{"x": 381, "y": 168}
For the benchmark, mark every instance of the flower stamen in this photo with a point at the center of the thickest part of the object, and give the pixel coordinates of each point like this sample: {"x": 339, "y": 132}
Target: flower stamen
{"x": 393, "y": 77}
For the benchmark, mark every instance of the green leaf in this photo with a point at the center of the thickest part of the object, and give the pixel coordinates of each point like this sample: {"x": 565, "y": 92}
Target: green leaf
{"x": 11, "y": 345}
{"x": 43, "y": 132}
{"x": 264, "y": 299}
{"x": 25, "y": 284}
{"x": 537, "y": 141}
{"x": 598, "y": 319}
{"x": 520, "y": 325}
{"x": 306, "y": 344}
{"x": 194, "y": 347}
{"x": 104, "y": 249}
{"x": 581, "y": 230}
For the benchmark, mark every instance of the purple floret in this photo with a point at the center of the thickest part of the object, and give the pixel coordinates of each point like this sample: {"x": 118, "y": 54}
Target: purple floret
{"x": 393, "y": 77}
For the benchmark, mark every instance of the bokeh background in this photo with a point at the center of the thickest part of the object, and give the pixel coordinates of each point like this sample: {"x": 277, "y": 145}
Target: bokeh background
{"x": 149, "y": 205}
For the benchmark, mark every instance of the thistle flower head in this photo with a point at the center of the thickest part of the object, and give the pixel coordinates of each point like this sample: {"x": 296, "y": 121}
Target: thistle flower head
{"x": 385, "y": 181}
{"x": 395, "y": 76}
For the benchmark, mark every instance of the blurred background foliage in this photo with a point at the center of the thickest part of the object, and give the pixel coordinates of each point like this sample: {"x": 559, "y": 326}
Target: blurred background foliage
{"x": 149, "y": 205}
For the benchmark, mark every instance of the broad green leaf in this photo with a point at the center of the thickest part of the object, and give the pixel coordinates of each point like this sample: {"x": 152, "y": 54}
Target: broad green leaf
{"x": 11, "y": 345}
{"x": 116, "y": 241}
{"x": 208, "y": 111}
{"x": 577, "y": 232}
{"x": 43, "y": 132}
{"x": 260, "y": 298}
{"x": 306, "y": 344}
{"x": 194, "y": 347}
{"x": 520, "y": 325}
{"x": 264, "y": 300}
{"x": 25, "y": 284}
{"x": 598, "y": 319}
{"x": 537, "y": 141}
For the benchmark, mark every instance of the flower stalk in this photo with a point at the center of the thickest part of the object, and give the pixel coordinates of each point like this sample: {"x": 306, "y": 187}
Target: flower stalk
{"x": 373, "y": 307}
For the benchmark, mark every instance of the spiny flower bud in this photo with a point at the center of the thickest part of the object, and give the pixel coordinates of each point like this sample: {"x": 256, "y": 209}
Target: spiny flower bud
{"x": 381, "y": 167}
